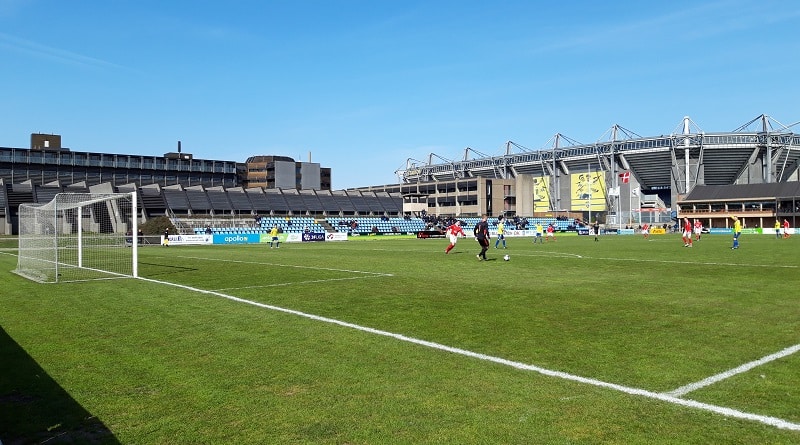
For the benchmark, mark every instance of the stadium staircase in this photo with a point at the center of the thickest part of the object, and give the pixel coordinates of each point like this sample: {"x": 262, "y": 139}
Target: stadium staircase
{"x": 181, "y": 226}
{"x": 326, "y": 225}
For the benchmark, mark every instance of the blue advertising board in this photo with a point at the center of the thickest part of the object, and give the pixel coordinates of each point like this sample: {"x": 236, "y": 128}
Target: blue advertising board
{"x": 720, "y": 231}
{"x": 237, "y": 238}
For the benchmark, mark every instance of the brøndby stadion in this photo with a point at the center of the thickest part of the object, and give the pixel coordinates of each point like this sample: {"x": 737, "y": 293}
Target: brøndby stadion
{"x": 622, "y": 180}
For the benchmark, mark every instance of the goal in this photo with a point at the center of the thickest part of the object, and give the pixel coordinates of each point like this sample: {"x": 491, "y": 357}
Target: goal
{"x": 79, "y": 237}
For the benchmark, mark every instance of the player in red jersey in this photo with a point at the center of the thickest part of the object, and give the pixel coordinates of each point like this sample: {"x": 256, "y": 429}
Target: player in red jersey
{"x": 453, "y": 232}
{"x": 646, "y": 230}
{"x": 698, "y": 229}
{"x": 687, "y": 233}
{"x": 551, "y": 232}
{"x": 785, "y": 228}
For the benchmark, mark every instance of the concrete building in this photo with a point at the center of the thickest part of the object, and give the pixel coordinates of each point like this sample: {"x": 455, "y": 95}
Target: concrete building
{"x": 285, "y": 173}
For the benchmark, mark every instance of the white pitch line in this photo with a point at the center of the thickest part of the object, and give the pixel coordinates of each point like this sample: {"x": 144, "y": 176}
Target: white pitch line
{"x": 292, "y": 283}
{"x": 381, "y": 274}
{"x": 554, "y": 253}
{"x": 732, "y": 372}
{"x": 548, "y": 254}
{"x": 699, "y": 263}
{"x": 724, "y": 411}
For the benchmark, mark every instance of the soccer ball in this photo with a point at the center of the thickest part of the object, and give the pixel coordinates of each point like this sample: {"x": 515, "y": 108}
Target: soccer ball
{"x": 506, "y": 258}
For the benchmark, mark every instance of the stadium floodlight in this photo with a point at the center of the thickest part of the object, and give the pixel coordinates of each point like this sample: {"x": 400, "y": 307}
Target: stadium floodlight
{"x": 79, "y": 237}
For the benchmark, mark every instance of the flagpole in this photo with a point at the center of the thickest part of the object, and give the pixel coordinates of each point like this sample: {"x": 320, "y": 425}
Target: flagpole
{"x": 616, "y": 200}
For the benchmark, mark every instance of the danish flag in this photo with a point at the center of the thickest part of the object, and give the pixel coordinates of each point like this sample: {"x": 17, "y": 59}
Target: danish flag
{"x": 625, "y": 177}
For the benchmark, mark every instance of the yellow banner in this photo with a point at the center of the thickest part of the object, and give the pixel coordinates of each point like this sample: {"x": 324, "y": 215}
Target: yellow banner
{"x": 541, "y": 194}
{"x": 588, "y": 192}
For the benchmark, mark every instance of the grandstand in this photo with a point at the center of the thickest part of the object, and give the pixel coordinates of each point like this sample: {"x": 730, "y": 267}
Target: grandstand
{"x": 255, "y": 210}
{"x": 233, "y": 209}
{"x": 622, "y": 179}
{"x": 299, "y": 224}
{"x": 625, "y": 169}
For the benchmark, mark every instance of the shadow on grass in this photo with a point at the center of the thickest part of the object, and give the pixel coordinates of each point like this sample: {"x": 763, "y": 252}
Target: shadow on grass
{"x": 155, "y": 269}
{"x": 35, "y": 409}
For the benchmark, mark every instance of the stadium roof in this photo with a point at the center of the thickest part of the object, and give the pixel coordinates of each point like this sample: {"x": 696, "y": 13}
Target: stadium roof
{"x": 706, "y": 193}
{"x": 655, "y": 161}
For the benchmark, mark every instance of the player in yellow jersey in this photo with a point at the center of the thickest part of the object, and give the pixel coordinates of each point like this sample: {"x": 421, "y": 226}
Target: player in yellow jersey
{"x": 273, "y": 234}
{"x": 539, "y": 233}
{"x": 737, "y": 230}
{"x": 501, "y": 229}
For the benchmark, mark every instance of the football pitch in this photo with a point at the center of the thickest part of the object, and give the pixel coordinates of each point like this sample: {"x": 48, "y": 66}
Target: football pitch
{"x": 386, "y": 340}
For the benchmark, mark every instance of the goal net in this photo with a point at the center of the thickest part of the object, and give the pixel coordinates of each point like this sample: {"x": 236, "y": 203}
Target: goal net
{"x": 78, "y": 237}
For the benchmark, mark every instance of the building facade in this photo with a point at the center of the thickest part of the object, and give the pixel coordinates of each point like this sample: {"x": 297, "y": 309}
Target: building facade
{"x": 285, "y": 173}
{"x": 46, "y": 161}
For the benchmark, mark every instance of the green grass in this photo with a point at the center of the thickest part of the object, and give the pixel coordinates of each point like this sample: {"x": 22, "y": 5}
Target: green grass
{"x": 135, "y": 361}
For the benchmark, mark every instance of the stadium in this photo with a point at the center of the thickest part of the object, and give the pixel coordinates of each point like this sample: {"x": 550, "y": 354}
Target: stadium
{"x": 622, "y": 180}
{"x": 362, "y": 329}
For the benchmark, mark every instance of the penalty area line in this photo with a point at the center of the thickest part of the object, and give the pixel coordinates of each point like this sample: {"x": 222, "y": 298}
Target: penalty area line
{"x": 724, "y": 411}
{"x": 732, "y": 372}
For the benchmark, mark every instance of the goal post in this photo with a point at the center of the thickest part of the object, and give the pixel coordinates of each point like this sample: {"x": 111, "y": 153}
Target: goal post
{"x": 78, "y": 237}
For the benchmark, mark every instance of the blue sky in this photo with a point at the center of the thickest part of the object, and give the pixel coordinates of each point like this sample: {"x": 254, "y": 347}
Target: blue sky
{"x": 365, "y": 85}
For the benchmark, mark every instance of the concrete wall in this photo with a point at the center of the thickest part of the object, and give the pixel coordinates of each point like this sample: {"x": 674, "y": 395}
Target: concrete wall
{"x": 310, "y": 176}
{"x": 285, "y": 175}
